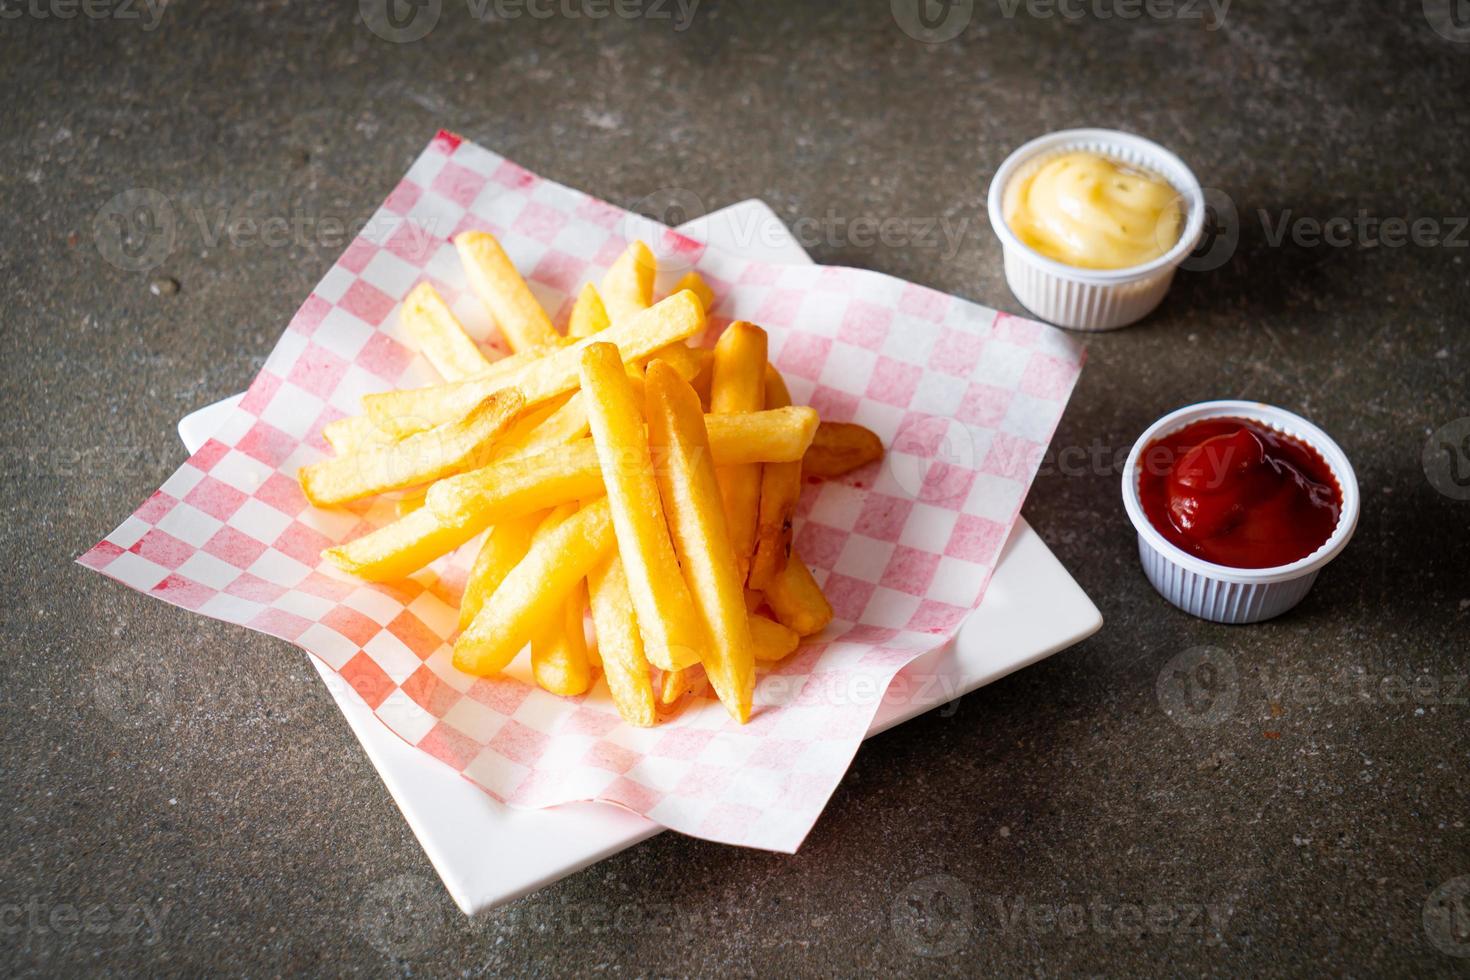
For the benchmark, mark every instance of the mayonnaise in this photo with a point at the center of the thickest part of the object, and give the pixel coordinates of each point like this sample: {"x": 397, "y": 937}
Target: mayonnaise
{"x": 1088, "y": 211}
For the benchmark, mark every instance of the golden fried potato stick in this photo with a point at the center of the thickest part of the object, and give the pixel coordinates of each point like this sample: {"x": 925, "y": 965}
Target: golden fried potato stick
{"x": 672, "y": 634}
{"x": 559, "y": 660}
{"x": 688, "y": 361}
{"x": 401, "y": 548}
{"x": 838, "y": 448}
{"x": 534, "y": 592}
{"x": 619, "y": 642}
{"x": 627, "y": 287}
{"x": 566, "y": 424}
{"x": 675, "y": 684}
{"x": 403, "y": 412}
{"x": 438, "y": 334}
{"x": 421, "y": 458}
{"x": 703, "y": 380}
{"x": 772, "y": 640}
{"x": 691, "y": 495}
{"x": 507, "y": 489}
{"x": 462, "y": 506}
{"x": 797, "y": 600}
{"x": 739, "y": 385}
{"x": 525, "y": 428}
{"x": 411, "y": 501}
{"x": 504, "y": 547}
{"x": 569, "y": 422}
{"x": 760, "y": 437}
{"x": 695, "y": 283}
{"x": 780, "y": 490}
{"x": 589, "y": 316}
{"x": 506, "y": 296}
{"x": 519, "y": 484}
{"x": 348, "y": 435}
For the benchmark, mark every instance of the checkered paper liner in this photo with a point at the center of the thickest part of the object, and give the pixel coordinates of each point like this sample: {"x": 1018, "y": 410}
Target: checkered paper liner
{"x": 964, "y": 398}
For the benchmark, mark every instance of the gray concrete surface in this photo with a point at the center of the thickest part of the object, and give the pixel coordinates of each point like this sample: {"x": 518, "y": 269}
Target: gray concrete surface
{"x": 181, "y": 796}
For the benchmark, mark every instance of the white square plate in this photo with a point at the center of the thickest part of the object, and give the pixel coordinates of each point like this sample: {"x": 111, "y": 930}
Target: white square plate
{"x": 489, "y": 854}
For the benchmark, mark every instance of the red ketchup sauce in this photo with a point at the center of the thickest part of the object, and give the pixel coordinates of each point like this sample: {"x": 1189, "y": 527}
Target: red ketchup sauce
{"x": 1235, "y": 492}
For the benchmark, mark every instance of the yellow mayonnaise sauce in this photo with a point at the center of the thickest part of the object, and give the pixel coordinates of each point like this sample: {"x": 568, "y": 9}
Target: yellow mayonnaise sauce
{"x": 1094, "y": 213}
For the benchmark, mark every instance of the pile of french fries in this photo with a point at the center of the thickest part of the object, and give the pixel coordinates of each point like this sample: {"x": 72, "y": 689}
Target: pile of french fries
{"x": 615, "y": 469}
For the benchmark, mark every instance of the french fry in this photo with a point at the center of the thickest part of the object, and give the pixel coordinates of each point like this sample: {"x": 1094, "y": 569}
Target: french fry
{"x": 569, "y": 422}
{"x": 504, "y": 547}
{"x": 518, "y": 484}
{"x": 535, "y": 590}
{"x": 676, "y": 684}
{"x": 695, "y": 283}
{"x": 401, "y": 548}
{"x": 589, "y": 316}
{"x": 527, "y": 425}
{"x": 797, "y": 600}
{"x": 672, "y": 634}
{"x": 838, "y": 448}
{"x": 780, "y": 490}
{"x": 688, "y": 361}
{"x": 673, "y": 685}
{"x": 559, "y": 659}
{"x": 503, "y": 491}
{"x": 691, "y": 495}
{"x": 420, "y": 458}
{"x": 619, "y": 642}
{"x": 772, "y": 640}
{"x": 738, "y": 385}
{"x": 506, "y": 296}
{"x": 627, "y": 287}
{"x": 760, "y": 437}
{"x": 439, "y": 336}
{"x": 411, "y": 501}
{"x": 702, "y": 382}
{"x": 348, "y": 435}
{"x": 462, "y": 506}
{"x": 403, "y": 412}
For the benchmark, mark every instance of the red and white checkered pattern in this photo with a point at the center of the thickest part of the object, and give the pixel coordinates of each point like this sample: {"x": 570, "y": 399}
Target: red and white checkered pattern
{"x": 965, "y": 398}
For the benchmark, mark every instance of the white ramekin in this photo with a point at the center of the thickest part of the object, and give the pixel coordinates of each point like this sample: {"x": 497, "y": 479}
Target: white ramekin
{"x": 1218, "y": 592}
{"x": 1093, "y": 299}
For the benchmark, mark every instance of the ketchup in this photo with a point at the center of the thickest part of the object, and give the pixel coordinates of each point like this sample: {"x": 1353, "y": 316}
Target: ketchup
{"x": 1235, "y": 492}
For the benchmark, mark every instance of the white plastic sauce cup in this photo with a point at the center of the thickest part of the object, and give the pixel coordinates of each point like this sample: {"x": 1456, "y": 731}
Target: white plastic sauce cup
{"x": 1093, "y": 299}
{"x": 1218, "y": 592}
